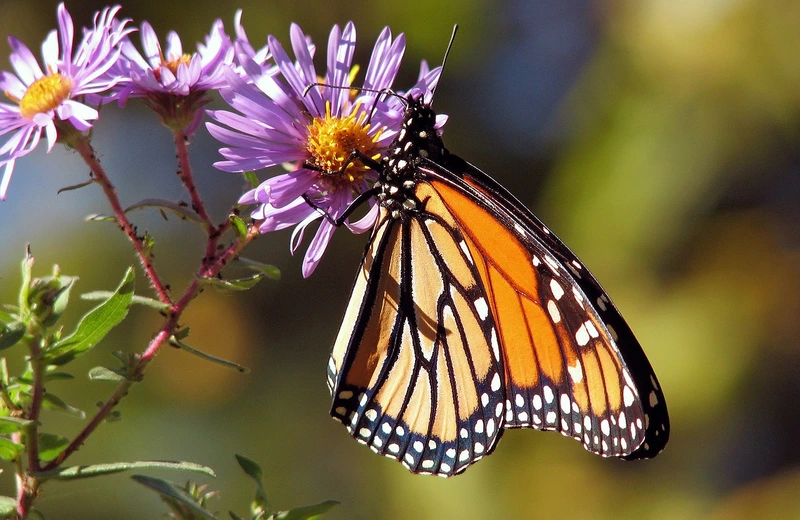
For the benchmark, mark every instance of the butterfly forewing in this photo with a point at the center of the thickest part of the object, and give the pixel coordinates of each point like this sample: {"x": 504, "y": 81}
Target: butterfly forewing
{"x": 559, "y": 270}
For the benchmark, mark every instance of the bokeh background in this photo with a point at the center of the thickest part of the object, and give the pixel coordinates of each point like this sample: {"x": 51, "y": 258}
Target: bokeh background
{"x": 659, "y": 138}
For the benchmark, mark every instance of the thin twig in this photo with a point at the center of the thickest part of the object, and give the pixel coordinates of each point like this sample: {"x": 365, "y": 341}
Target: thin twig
{"x": 87, "y": 153}
{"x": 185, "y": 173}
{"x": 161, "y": 338}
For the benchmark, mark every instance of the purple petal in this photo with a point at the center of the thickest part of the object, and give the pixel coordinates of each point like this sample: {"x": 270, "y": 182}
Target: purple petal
{"x": 317, "y": 247}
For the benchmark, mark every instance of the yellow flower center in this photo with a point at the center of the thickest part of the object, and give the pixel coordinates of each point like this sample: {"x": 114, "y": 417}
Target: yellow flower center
{"x": 44, "y": 94}
{"x": 173, "y": 65}
{"x": 332, "y": 139}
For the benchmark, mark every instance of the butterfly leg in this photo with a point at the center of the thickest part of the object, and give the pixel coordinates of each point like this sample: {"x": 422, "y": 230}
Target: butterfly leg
{"x": 366, "y": 160}
{"x": 359, "y": 200}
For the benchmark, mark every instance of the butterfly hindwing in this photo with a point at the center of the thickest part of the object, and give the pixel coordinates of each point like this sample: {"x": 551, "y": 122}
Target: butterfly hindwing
{"x": 413, "y": 371}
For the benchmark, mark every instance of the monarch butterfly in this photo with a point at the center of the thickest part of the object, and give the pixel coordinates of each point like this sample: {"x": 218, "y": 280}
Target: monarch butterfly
{"x": 468, "y": 316}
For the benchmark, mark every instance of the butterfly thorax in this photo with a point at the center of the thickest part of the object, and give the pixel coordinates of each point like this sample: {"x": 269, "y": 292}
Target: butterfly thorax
{"x": 417, "y": 141}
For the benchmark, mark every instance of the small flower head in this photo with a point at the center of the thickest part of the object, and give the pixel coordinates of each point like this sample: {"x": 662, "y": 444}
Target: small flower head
{"x": 172, "y": 82}
{"x": 50, "y": 100}
{"x": 292, "y": 116}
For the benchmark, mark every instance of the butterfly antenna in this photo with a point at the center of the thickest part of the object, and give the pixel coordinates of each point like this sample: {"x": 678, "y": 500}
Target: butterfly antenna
{"x": 444, "y": 61}
{"x": 384, "y": 91}
{"x": 381, "y": 92}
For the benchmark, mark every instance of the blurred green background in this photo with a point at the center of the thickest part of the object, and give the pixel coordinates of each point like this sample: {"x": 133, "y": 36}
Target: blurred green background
{"x": 660, "y": 139}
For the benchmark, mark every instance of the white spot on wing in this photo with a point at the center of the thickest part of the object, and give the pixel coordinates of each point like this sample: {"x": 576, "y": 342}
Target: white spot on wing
{"x": 495, "y": 345}
{"x": 627, "y": 396}
{"x": 591, "y": 328}
{"x": 612, "y": 332}
{"x": 556, "y": 289}
{"x": 548, "y": 394}
{"x": 482, "y": 308}
{"x": 465, "y": 249}
{"x": 582, "y": 336}
{"x": 575, "y": 372}
{"x": 565, "y": 403}
{"x": 555, "y": 316}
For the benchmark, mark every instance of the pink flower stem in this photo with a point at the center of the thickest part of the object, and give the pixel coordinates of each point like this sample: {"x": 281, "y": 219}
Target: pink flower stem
{"x": 185, "y": 174}
{"x": 87, "y": 153}
{"x": 27, "y": 486}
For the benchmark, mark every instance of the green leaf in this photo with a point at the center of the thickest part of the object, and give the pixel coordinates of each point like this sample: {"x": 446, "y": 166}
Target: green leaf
{"x": 306, "y": 512}
{"x": 105, "y": 374}
{"x": 254, "y": 471}
{"x": 97, "y": 217}
{"x": 53, "y": 402}
{"x": 51, "y": 445}
{"x": 269, "y": 270}
{"x": 171, "y": 493}
{"x": 238, "y": 284}
{"x": 9, "y": 449}
{"x": 148, "y": 243}
{"x": 137, "y": 300}
{"x": 239, "y": 227}
{"x": 52, "y": 376}
{"x": 11, "y": 334}
{"x": 27, "y": 276}
{"x": 98, "y": 470}
{"x": 95, "y": 325}
{"x": 14, "y": 424}
{"x": 35, "y": 514}
{"x": 113, "y": 416}
{"x": 252, "y": 179}
{"x": 58, "y": 376}
{"x": 208, "y": 357}
{"x": 8, "y": 508}
{"x": 60, "y": 300}
{"x": 181, "y": 209}
{"x": 76, "y": 186}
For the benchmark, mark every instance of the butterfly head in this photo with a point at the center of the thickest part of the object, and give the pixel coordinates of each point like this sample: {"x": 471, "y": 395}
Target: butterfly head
{"x": 417, "y": 141}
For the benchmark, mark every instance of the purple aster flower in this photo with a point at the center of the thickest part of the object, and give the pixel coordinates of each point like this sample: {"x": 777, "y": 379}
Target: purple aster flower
{"x": 50, "y": 101}
{"x": 174, "y": 83}
{"x": 282, "y": 120}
